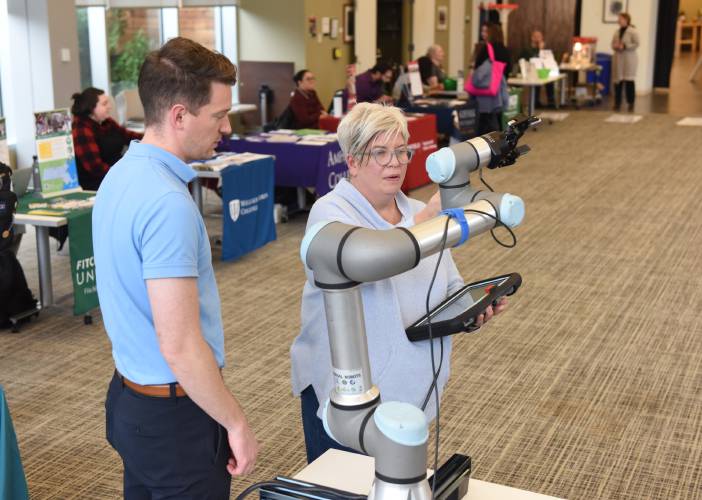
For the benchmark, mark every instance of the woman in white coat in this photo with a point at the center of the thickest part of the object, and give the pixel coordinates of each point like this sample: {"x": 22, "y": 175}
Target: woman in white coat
{"x": 624, "y": 43}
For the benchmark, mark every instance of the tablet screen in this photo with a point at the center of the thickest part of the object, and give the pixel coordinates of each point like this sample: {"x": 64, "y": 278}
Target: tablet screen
{"x": 463, "y": 301}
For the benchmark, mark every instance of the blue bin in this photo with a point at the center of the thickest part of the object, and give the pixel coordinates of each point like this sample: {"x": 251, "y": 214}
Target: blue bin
{"x": 605, "y": 78}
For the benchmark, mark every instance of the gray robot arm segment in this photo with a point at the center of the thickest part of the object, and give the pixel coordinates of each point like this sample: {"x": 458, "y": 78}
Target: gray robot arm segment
{"x": 341, "y": 256}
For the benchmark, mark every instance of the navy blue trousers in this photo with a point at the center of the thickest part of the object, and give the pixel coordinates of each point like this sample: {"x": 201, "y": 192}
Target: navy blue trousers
{"x": 317, "y": 441}
{"x": 171, "y": 448}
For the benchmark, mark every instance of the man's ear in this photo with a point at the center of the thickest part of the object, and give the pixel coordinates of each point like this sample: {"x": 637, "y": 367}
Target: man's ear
{"x": 176, "y": 116}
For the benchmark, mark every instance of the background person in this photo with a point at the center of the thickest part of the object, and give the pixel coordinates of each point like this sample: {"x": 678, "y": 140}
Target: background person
{"x": 490, "y": 107}
{"x": 304, "y": 103}
{"x": 624, "y": 43}
{"x": 492, "y": 33}
{"x": 370, "y": 85}
{"x": 430, "y": 68}
{"x": 536, "y": 44}
{"x": 374, "y": 140}
{"x": 98, "y": 140}
{"x": 178, "y": 429}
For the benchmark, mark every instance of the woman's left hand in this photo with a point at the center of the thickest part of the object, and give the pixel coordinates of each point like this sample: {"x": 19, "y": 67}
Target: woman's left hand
{"x": 491, "y": 311}
{"x": 431, "y": 210}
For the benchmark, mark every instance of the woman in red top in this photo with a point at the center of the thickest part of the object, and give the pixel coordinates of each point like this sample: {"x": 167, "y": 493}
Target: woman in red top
{"x": 304, "y": 102}
{"x": 98, "y": 140}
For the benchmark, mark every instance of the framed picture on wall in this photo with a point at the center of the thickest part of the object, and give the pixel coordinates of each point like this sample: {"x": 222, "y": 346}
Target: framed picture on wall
{"x": 349, "y": 23}
{"x": 612, "y": 8}
{"x": 442, "y": 17}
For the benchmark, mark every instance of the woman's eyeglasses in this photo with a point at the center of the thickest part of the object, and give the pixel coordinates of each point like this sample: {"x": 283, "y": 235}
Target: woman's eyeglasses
{"x": 383, "y": 157}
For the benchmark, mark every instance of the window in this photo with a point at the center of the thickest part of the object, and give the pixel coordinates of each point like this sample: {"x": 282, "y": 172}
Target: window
{"x": 86, "y": 79}
{"x": 129, "y": 34}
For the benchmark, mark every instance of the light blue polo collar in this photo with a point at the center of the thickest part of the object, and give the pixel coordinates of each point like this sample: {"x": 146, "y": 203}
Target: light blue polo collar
{"x": 169, "y": 160}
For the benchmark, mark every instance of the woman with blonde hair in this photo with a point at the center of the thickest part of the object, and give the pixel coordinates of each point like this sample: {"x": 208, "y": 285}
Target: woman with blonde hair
{"x": 373, "y": 139}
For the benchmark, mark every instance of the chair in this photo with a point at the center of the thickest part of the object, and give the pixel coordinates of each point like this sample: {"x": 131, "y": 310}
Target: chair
{"x": 129, "y": 107}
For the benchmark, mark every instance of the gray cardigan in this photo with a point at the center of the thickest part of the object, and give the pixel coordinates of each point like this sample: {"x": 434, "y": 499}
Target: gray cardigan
{"x": 625, "y": 61}
{"x": 400, "y": 368}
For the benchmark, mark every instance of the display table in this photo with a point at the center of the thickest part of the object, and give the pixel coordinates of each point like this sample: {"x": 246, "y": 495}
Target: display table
{"x": 247, "y": 199}
{"x": 454, "y": 117}
{"x": 79, "y": 221}
{"x": 354, "y": 473}
{"x": 297, "y": 165}
{"x": 13, "y": 484}
{"x": 422, "y": 140}
{"x": 572, "y": 83}
{"x": 533, "y": 83}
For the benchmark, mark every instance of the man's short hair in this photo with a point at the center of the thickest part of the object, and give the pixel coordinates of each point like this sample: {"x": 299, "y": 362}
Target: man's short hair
{"x": 181, "y": 72}
{"x": 381, "y": 67}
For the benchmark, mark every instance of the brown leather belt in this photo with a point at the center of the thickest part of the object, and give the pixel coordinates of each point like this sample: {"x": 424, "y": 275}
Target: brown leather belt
{"x": 155, "y": 391}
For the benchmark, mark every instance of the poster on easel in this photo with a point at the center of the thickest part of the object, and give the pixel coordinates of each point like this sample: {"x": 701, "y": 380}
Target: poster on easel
{"x": 55, "y": 153}
{"x": 4, "y": 150}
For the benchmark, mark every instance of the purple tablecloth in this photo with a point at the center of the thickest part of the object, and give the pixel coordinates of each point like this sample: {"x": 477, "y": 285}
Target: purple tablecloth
{"x": 297, "y": 165}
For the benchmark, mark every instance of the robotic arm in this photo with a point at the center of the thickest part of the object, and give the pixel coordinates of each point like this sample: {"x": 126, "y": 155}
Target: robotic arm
{"x": 342, "y": 257}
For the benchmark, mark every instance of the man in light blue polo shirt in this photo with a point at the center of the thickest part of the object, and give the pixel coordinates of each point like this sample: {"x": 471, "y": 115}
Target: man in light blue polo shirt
{"x": 179, "y": 430}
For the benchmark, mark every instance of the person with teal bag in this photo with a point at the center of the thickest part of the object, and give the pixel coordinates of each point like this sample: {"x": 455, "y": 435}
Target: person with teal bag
{"x": 12, "y": 481}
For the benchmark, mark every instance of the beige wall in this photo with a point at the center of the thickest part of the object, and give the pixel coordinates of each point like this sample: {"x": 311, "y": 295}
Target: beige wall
{"x": 272, "y": 31}
{"x": 423, "y": 26}
{"x": 690, "y": 7}
{"x": 331, "y": 73}
{"x": 442, "y": 37}
{"x": 63, "y": 34}
{"x": 365, "y": 43}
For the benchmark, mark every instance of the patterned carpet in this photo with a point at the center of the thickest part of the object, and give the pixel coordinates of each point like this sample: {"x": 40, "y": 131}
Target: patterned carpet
{"x": 589, "y": 386}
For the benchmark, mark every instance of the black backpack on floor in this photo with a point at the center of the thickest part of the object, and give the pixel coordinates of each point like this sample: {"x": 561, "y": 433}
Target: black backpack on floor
{"x": 15, "y": 296}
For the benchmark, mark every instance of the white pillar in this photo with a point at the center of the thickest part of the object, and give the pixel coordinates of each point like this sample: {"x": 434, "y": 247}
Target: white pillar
{"x": 99, "y": 59}
{"x": 169, "y": 24}
{"x": 424, "y": 24}
{"x": 365, "y": 39}
{"x": 457, "y": 57}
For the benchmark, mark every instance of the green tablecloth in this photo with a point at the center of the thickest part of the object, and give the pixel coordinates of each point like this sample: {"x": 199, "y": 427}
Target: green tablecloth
{"x": 12, "y": 481}
{"x": 80, "y": 230}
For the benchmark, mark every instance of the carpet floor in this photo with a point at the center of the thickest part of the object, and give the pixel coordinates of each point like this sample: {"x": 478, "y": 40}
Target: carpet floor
{"x": 588, "y": 386}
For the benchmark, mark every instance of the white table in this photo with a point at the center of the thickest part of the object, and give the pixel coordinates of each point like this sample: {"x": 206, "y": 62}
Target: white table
{"x": 41, "y": 224}
{"x": 533, "y": 83}
{"x": 358, "y": 474}
{"x": 240, "y": 159}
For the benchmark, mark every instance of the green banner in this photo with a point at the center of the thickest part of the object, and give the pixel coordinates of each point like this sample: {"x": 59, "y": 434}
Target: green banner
{"x": 80, "y": 238}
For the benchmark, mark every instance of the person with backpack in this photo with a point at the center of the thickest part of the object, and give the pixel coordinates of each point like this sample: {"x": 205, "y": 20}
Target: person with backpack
{"x": 15, "y": 296}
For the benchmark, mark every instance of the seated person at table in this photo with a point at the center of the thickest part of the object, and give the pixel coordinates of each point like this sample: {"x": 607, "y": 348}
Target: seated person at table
{"x": 370, "y": 85}
{"x": 537, "y": 44}
{"x": 430, "y": 68}
{"x": 98, "y": 140}
{"x": 304, "y": 103}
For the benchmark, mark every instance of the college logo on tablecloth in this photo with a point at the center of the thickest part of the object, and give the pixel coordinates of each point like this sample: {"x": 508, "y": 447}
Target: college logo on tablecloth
{"x": 234, "y": 209}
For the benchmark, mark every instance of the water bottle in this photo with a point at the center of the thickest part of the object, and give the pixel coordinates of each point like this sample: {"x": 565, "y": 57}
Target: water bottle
{"x": 36, "y": 178}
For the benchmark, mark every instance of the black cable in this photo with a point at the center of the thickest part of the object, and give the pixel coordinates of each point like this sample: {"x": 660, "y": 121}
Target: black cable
{"x": 431, "y": 387}
{"x": 480, "y": 174}
{"x": 435, "y": 373}
{"x": 498, "y": 223}
{"x": 300, "y": 489}
{"x": 512, "y": 245}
